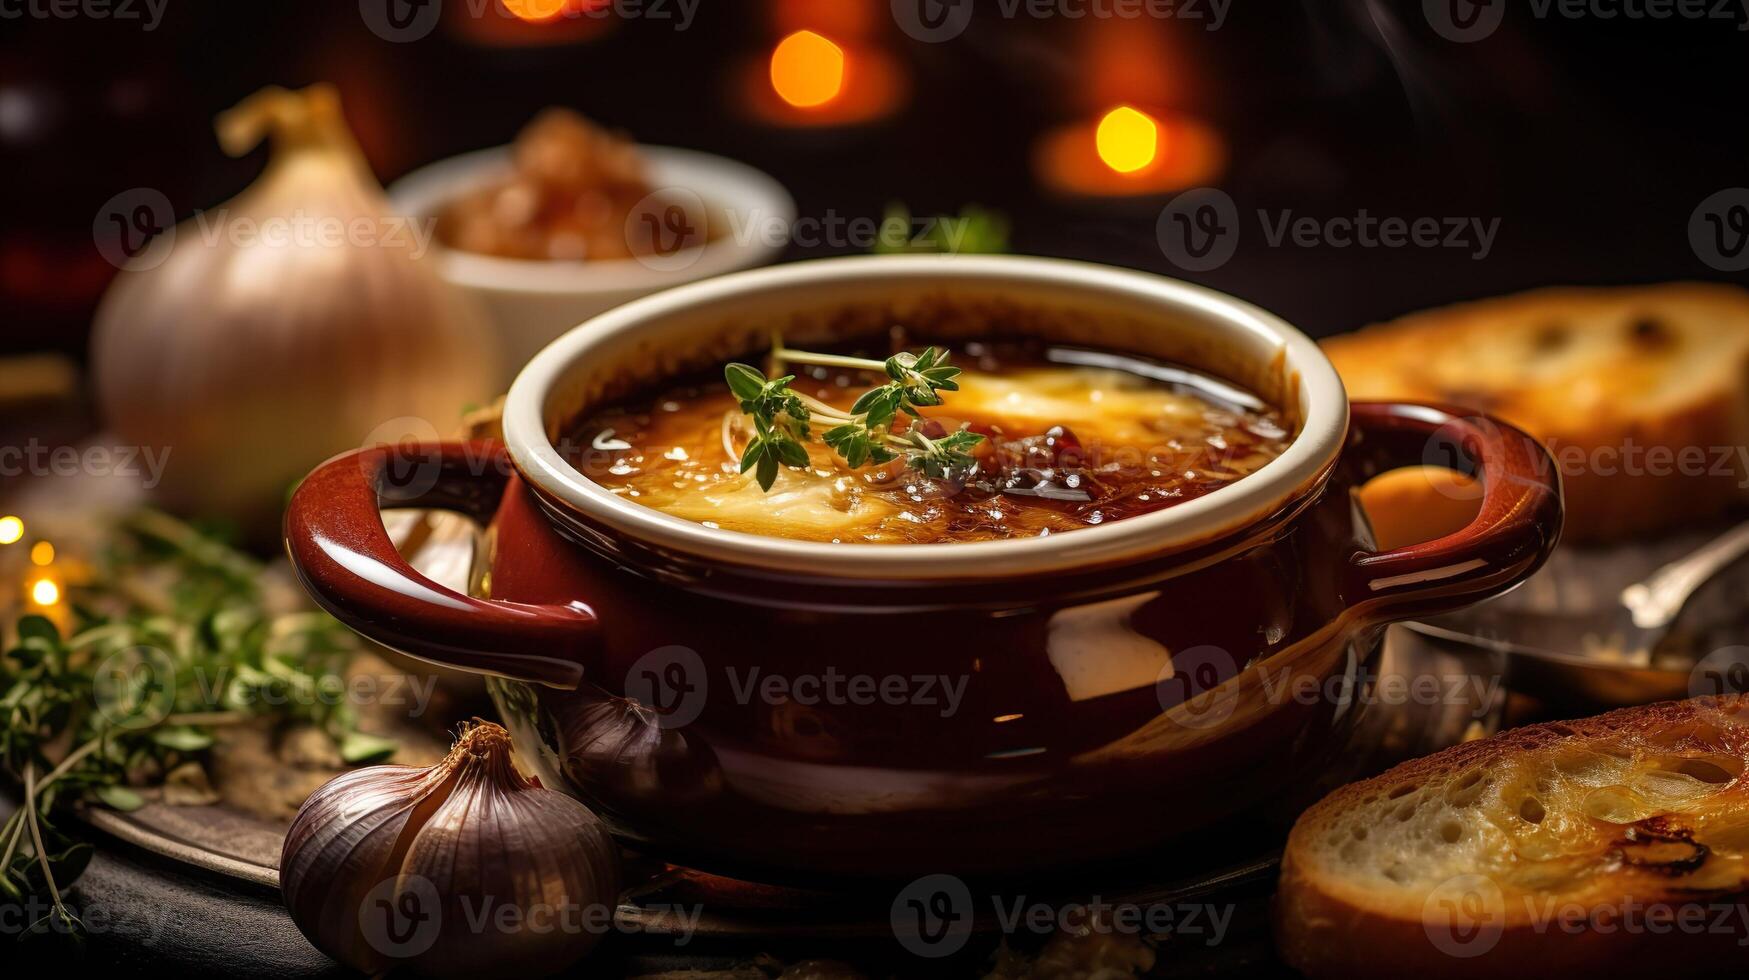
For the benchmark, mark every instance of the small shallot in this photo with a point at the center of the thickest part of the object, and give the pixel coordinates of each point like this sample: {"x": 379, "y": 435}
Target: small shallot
{"x": 467, "y": 868}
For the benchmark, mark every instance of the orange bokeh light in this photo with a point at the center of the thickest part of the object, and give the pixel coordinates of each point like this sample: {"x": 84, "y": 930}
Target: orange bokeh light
{"x": 807, "y": 69}
{"x": 1129, "y": 152}
{"x": 1127, "y": 139}
{"x": 540, "y": 11}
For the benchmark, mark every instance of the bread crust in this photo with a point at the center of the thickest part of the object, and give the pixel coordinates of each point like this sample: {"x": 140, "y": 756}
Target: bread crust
{"x": 1641, "y": 393}
{"x": 1334, "y": 919}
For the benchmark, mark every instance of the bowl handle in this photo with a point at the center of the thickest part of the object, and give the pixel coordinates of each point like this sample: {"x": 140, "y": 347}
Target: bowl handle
{"x": 335, "y": 536}
{"x": 1519, "y": 521}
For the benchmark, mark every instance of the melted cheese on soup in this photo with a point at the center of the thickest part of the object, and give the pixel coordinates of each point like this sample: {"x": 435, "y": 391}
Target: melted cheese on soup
{"x": 1067, "y": 446}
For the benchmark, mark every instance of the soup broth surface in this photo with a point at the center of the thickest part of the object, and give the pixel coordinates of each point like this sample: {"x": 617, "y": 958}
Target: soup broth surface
{"x": 1073, "y": 438}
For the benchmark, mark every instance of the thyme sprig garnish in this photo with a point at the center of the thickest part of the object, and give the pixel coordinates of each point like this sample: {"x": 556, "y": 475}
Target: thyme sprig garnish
{"x": 784, "y": 420}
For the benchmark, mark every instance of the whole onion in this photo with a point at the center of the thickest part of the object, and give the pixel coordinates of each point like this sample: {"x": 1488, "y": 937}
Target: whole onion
{"x": 291, "y": 323}
{"x": 465, "y": 869}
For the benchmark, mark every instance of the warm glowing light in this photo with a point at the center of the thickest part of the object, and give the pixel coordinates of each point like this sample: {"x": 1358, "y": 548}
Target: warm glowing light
{"x": 45, "y": 592}
{"x": 1127, "y": 139}
{"x": 807, "y": 69}
{"x": 42, "y": 553}
{"x": 1129, "y": 152}
{"x": 11, "y": 529}
{"x": 535, "y": 11}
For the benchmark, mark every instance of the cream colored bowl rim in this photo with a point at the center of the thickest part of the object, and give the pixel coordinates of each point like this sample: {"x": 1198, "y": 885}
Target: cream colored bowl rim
{"x": 1325, "y": 420}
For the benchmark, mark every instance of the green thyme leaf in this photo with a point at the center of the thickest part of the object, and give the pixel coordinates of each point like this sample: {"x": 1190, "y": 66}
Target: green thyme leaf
{"x": 783, "y": 422}
{"x": 792, "y": 453}
{"x": 745, "y": 381}
{"x": 182, "y": 738}
{"x": 118, "y": 797}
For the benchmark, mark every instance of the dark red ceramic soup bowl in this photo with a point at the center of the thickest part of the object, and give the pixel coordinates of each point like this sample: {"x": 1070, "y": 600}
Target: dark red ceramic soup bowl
{"x": 772, "y": 707}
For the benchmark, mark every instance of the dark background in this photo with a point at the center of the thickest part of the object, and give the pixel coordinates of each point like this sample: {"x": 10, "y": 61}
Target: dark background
{"x": 1592, "y": 140}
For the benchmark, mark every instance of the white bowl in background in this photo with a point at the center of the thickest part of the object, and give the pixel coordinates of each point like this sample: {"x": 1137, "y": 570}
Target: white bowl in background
{"x": 531, "y": 302}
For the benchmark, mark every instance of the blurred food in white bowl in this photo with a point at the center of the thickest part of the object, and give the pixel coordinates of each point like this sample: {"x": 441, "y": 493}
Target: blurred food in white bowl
{"x": 571, "y": 220}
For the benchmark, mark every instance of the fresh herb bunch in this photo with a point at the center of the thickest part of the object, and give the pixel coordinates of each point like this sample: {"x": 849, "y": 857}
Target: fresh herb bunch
{"x": 173, "y": 638}
{"x": 784, "y": 420}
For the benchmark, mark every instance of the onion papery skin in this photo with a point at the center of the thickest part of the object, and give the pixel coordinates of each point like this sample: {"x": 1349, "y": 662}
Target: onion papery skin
{"x": 496, "y": 876}
{"x": 260, "y": 344}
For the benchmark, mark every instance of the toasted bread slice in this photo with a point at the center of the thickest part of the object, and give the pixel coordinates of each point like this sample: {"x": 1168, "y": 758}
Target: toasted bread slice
{"x": 1641, "y": 394}
{"x": 1613, "y": 845}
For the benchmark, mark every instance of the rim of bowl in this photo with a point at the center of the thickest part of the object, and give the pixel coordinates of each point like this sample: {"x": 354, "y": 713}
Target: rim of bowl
{"x": 1314, "y": 448}
{"x": 722, "y": 184}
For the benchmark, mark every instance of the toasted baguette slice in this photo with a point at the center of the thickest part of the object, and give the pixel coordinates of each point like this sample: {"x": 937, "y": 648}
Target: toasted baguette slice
{"x": 1641, "y": 393}
{"x": 1544, "y": 851}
